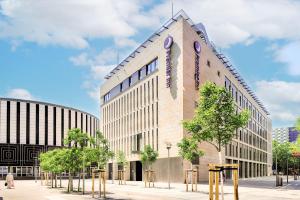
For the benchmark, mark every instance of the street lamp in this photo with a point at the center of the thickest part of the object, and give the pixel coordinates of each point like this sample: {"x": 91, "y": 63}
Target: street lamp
{"x": 35, "y": 169}
{"x": 168, "y": 146}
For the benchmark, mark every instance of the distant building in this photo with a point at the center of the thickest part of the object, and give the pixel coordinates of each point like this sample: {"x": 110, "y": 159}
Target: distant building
{"x": 28, "y": 128}
{"x": 287, "y": 134}
{"x": 293, "y": 134}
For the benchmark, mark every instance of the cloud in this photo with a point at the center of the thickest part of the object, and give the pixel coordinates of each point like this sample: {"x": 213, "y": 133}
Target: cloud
{"x": 71, "y": 23}
{"x": 289, "y": 55}
{"x": 282, "y": 99}
{"x": 19, "y": 93}
{"x": 236, "y": 21}
{"x": 98, "y": 66}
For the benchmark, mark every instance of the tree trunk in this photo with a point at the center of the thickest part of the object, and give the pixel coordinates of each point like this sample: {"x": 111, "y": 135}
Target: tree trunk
{"x": 55, "y": 180}
{"x": 222, "y": 185}
{"x": 69, "y": 182}
{"x": 78, "y": 188}
{"x": 83, "y": 181}
{"x": 60, "y": 180}
{"x": 51, "y": 179}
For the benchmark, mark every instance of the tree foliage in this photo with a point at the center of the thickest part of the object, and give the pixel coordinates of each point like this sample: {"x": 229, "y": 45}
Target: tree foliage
{"x": 83, "y": 151}
{"x": 216, "y": 118}
{"x": 148, "y": 156}
{"x": 189, "y": 150}
{"x": 298, "y": 124}
{"x": 121, "y": 159}
{"x": 102, "y": 154}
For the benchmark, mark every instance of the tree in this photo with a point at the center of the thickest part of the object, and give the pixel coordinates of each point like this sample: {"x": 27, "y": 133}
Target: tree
{"x": 298, "y": 124}
{"x": 121, "y": 160}
{"x": 148, "y": 156}
{"x": 53, "y": 161}
{"x": 75, "y": 155}
{"x": 189, "y": 150}
{"x": 283, "y": 152}
{"x": 102, "y": 154}
{"x": 216, "y": 118}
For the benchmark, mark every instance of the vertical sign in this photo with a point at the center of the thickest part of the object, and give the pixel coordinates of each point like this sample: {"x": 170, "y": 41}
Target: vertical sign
{"x": 167, "y": 45}
{"x": 197, "y": 49}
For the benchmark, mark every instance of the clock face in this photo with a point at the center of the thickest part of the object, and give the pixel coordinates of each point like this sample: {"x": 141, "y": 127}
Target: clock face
{"x": 168, "y": 42}
{"x": 197, "y": 47}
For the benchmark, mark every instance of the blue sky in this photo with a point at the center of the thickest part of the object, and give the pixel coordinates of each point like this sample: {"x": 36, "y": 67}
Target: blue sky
{"x": 59, "y": 51}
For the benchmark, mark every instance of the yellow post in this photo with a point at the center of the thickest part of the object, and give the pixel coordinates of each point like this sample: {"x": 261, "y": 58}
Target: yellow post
{"x": 211, "y": 186}
{"x": 104, "y": 179}
{"x": 217, "y": 186}
{"x": 93, "y": 184}
{"x": 236, "y": 195}
{"x": 186, "y": 181}
{"x": 99, "y": 184}
{"x": 149, "y": 177}
{"x": 193, "y": 179}
{"x": 196, "y": 179}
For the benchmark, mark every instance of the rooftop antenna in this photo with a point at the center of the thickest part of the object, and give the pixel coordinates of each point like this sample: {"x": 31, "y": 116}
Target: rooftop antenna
{"x": 172, "y": 9}
{"x": 118, "y": 60}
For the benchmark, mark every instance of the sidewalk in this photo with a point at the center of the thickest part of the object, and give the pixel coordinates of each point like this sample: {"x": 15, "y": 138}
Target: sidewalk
{"x": 248, "y": 190}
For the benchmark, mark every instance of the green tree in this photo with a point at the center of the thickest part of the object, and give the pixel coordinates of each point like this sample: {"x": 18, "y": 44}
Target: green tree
{"x": 75, "y": 156}
{"x": 52, "y": 161}
{"x": 298, "y": 124}
{"x": 189, "y": 150}
{"x": 121, "y": 160}
{"x": 216, "y": 118}
{"x": 283, "y": 152}
{"x": 148, "y": 156}
{"x": 101, "y": 154}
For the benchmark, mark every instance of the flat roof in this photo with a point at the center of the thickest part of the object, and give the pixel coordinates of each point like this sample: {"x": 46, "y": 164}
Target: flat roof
{"x": 221, "y": 56}
{"x": 45, "y": 103}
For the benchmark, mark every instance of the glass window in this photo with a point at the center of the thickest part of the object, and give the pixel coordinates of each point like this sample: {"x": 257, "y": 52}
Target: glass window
{"x": 134, "y": 78}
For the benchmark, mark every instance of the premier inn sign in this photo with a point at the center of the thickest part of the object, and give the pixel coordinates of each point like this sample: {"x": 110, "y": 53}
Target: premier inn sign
{"x": 197, "y": 49}
{"x": 167, "y": 45}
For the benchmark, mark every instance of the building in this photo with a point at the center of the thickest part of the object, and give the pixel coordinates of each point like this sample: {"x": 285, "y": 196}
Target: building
{"x": 293, "y": 134}
{"x": 147, "y": 96}
{"x": 287, "y": 134}
{"x": 30, "y": 127}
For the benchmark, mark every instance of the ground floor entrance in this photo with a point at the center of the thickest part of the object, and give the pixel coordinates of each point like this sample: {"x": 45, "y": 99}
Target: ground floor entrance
{"x": 136, "y": 171}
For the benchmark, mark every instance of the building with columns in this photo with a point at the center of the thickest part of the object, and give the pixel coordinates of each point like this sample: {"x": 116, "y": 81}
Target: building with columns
{"x": 145, "y": 98}
{"x": 30, "y": 127}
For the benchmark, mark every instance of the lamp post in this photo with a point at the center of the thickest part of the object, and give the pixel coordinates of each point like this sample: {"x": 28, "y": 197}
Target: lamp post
{"x": 168, "y": 146}
{"x": 35, "y": 169}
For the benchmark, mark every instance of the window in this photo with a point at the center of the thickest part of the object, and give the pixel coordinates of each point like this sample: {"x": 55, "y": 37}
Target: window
{"x": 54, "y": 126}
{"x": 37, "y": 123}
{"x": 8, "y": 122}
{"x": 46, "y": 125}
{"x": 18, "y": 122}
{"x": 27, "y": 123}
{"x": 219, "y": 73}
{"x": 152, "y": 66}
{"x": 208, "y": 63}
{"x": 142, "y": 72}
{"x": 135, "y": 77}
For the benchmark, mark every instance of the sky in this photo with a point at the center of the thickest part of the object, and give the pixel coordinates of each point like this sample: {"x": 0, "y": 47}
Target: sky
{"x": 59, "y": 51}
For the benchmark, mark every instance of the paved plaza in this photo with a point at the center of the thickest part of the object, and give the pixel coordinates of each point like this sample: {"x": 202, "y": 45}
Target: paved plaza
{"x": 257, "y": 189}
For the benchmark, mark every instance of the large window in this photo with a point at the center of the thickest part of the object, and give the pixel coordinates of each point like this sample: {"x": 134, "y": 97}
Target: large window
{"x": 131, "y": 80}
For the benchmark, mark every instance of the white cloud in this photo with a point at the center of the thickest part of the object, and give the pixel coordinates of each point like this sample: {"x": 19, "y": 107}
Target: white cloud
{"x": 125, "y": 42}
{"x": 236, "y": 21}
{"x": 71, "y": 23}
{"x": 282, "y": 99}
{"x": 289, "y": 55}
{"x": 19, "y": 93}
